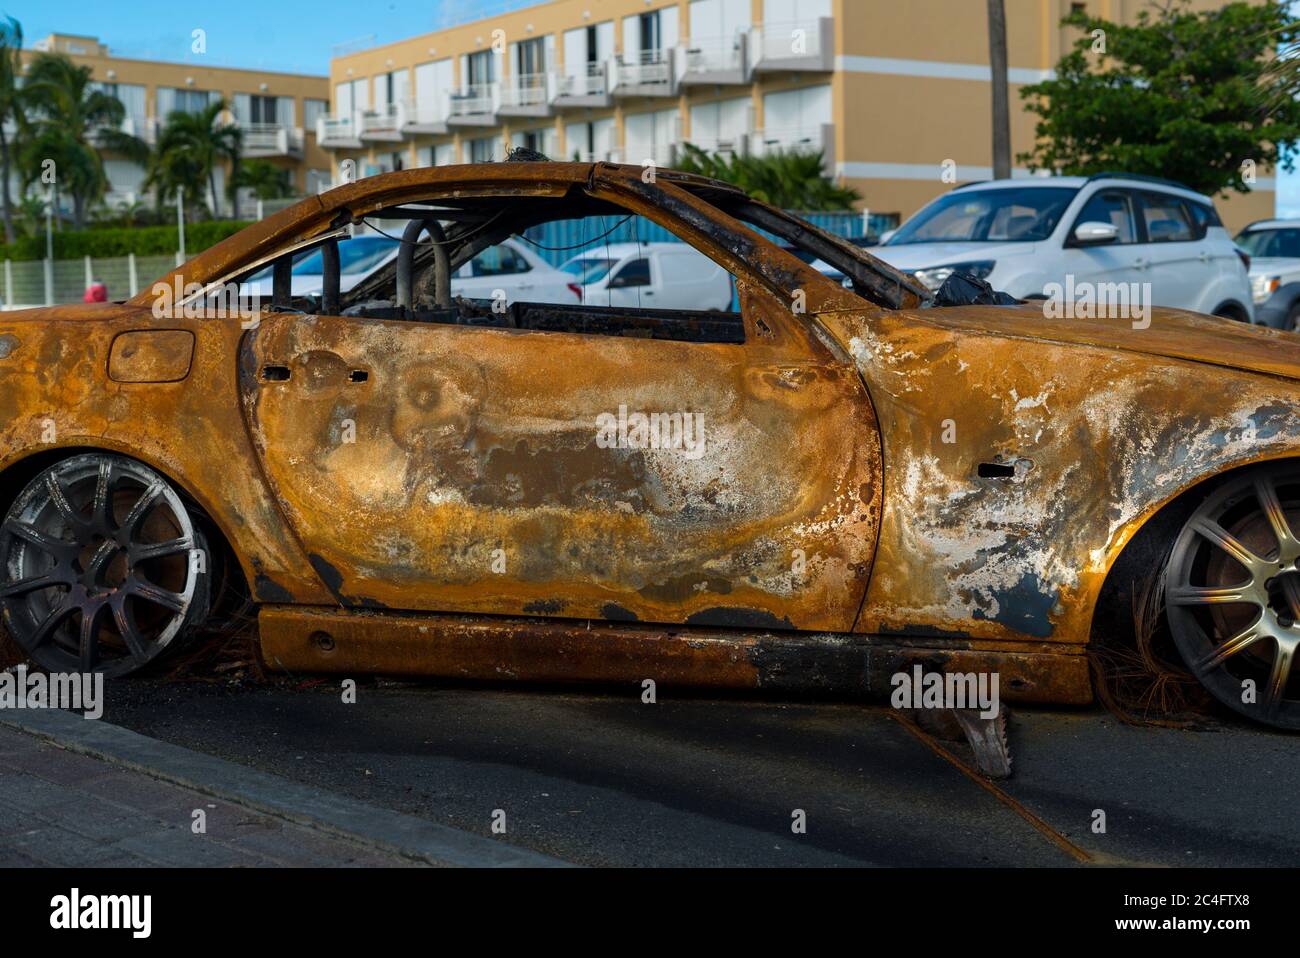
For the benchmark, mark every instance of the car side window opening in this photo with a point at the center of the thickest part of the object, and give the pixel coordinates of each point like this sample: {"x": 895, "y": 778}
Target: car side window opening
{"x": 635, "y": 273}
{"x": 1166, "y": 218}
{"x": 1266, "y": 243}
{"x": 1114, "y": 207}
{"x": 491, "y": 281}
{"x": 498, "y": 261}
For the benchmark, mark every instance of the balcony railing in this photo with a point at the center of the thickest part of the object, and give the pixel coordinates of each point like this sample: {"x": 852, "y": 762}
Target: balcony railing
{"x": 384, "y": 123}
{"x": 527, "y": 90}
{"x": 802, "y": 139}
{"x": 476, "y": 104}
{"x": 648, "y": 73}
{"x": 807, "y": 44}
{"x": 426, "y": 115}
{"x": 588, "y": 80}
{"x": 737, "y": 145}
{"x": 338, "y": 131}
{"x": 716, "y": 59}
{"x": 271, "y": 139}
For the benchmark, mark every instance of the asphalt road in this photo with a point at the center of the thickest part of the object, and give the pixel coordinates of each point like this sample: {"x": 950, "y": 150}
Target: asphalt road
{"x": 602, "y": 779}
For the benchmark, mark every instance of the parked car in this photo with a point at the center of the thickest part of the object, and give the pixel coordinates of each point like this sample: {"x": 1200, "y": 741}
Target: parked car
{"x": 1274, "y": 249}
{"x": 1022, "y": 235}
{"x": 510, "y": 266}
{"x": 828, "y": 489}
{"x": 663, "y": 275}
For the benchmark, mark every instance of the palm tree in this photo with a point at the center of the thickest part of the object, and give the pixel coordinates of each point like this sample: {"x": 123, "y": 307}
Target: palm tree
{"x": 70, "y": 121}
{"x": 11, "y": 41}
{"x": 265, "y": 179}
{"x": 790, "y": 179}
{"x": 1001, "y": 107}
{"x": 190, "y": 148}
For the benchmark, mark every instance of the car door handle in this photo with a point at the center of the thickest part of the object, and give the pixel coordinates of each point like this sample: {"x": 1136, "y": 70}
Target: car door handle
{"x": 1140, "y": 264}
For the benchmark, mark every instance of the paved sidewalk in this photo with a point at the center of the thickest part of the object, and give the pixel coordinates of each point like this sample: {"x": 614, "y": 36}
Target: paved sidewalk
{"x": 59, "y": 808}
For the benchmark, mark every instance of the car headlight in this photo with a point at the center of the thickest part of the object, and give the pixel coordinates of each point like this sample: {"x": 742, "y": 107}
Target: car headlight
{"x": 1262, "y": 286}
{"x": 934, "y": 276}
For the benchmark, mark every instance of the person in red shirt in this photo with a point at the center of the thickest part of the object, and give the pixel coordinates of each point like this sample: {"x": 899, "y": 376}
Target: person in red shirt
{"x": 96, "y": 292}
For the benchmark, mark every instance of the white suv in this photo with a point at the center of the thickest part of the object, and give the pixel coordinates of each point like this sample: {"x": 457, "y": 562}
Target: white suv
{"x": 1274, "y": 248}
{"x": 1023, "y": 235}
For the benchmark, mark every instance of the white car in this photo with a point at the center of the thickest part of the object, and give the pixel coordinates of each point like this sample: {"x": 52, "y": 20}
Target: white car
{"x": 1038, "y": 237}
{"x": 510, "y": 266}
{"x": 650, "y": 276}
{"x": 1274, "y": 248}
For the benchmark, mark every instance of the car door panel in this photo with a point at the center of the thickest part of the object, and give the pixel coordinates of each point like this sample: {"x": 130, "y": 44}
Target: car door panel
{"x": 454, "y": 468}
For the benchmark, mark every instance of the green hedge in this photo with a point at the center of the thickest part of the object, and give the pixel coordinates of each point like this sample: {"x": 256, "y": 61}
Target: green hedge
{"x": 120, "y": 241}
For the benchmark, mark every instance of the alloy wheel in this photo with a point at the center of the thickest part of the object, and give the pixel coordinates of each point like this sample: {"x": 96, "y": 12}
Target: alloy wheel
{"x": 99, "y": 566}
{"x": 1233, "y": 594}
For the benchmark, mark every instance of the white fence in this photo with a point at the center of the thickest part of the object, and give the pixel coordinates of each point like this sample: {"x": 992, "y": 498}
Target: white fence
{"x": 28, "y": 283}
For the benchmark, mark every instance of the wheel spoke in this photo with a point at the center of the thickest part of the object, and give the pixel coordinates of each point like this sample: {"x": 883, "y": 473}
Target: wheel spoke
{"x": 52, "y": 621}
{"x": 106, "y": 551}
{"x": 60, "y": 501}
{"x": 141, "y": 507}
{"x": 1287, "y": 544}
{"x": 126, "y": 626}
{"x": 1291, "y": 592}
{"x": 29, "y": 533}
{"x": 1278, "y": 676}
{"x": 33, "y": 583}
{"x": 1221, "y": 537}
{"x": 148, "y": 592}
{"x": 158, "y": 550}
{"x": 90, "y": 616}
{"x": 1243, "y": 639}
{"x": 101, "y": 511}
{"x": 1214, "y": 595}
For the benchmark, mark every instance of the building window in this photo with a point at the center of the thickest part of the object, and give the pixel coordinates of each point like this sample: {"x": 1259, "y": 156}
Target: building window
{"x": 480, "y": 68}
{"x": 182, "y": 101}
{"x": 263, "y": 109}
{"x": 313, "y": 110}
{"x": 483, "y": 150}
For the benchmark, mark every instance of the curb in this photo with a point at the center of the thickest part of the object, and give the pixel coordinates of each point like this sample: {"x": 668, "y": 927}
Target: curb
{"x": 303, "y": 805}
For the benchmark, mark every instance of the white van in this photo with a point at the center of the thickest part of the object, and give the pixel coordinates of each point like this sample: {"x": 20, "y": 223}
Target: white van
{"x": 650, "y": 276}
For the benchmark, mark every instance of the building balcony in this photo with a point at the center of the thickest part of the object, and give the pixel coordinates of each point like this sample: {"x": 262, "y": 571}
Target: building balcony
{"x": 649, "y": 73}
{"x": 382, "y": 125}
{"x": 529, "y": 94}
{"x": 737, "y": 145}
{"x": 425, "y": 117}
{"x": 271, "y": 139}
{"x": 587, "y": 86}
{"x": 796, "y": 46}
{"x": 715, "y": 60}
{"x": 145, "y": 128}
{"x": 338, "y": 132}
{"x": 805, "y": 139}
{"x": 474, "y": 105}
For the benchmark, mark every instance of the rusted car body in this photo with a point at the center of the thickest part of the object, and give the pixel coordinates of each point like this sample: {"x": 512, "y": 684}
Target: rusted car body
{"x": 880, "y": 482}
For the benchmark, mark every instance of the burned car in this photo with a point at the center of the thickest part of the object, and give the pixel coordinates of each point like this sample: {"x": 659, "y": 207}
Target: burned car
{"x": 828, "y": 486}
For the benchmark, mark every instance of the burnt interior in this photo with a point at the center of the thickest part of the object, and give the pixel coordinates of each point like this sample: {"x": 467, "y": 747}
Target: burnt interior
{"x": 462, "y": 227}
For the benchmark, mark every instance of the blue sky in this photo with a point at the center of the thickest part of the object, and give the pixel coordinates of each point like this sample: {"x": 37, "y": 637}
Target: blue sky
{"x": 294, "y": 36}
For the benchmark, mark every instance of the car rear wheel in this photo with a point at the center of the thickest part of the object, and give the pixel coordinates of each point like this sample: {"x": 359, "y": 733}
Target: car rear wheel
{"x": 102, "y": 568}
{"x": 1233, "y": 594}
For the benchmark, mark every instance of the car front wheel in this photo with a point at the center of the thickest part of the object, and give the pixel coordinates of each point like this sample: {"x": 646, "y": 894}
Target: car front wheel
{"x": 1232, "y": 592}
{"x": 101, "y": 566}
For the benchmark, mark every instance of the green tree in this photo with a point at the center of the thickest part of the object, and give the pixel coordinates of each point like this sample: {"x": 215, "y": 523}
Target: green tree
{"x": 11, "y": 41}
{"x": 1186, "y": 95}
{"x": 190, "y": 148}
{"x": 792, "y": 180}
{"x": 265, "y": 179}
{"x": 70, "y": 120}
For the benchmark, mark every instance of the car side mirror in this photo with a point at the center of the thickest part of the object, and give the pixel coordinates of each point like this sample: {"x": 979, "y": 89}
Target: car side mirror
{"x": 887, "y": 235}
{"x": 1095, "y": 234}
